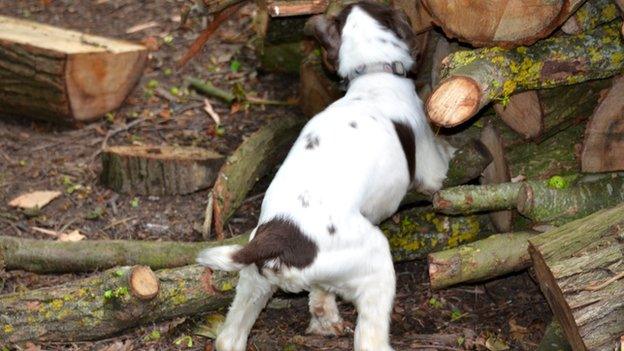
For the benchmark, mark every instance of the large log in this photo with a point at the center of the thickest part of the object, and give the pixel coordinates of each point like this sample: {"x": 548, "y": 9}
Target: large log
{"x": 484, "y": 259}
{"x": 103, "y": 305}
{"x": 159, "y": 170}
{"x": 603, "y": 147}
{"x": 472, "y": 79}
{"x": 544, "y": 203}
{"x": 592, "y": 14}
{"x": 505, "y": 23}
{"x": 254, "y": 158}
{"x": 62, "y": 75}
{"x": 578, "y": 266}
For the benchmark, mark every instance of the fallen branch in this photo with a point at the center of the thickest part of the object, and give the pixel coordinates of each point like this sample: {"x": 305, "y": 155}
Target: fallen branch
{"x": 208, "y": 89}
{"x": 477, "y": 198}
{"x": 473, "y": 78}
{"x": 484, "y": 259}
{"x": 105, "y": 304}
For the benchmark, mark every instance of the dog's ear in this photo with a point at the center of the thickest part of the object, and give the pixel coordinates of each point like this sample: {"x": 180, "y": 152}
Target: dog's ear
{"x": 402, "y": 26}
{"x": 325, "y": 30}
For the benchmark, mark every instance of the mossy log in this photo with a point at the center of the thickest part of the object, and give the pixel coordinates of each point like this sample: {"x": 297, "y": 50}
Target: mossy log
{"x": 62, "y": 75}
{"x": 46, "y": 256}
{"x": 502, "y": 23}
{"x": 603, "y": 145}
{"x": 316, "y": 89}
{"x": 543, "y": 203}
{"x": 255, "y": 157}
{"x": 465, "y": 199}
{"x": 159, "y": 170}
{"x": 467, "y": 164}
{"x": 103, "y": 305}
{"x": 494, "y": 256}
{"x": 554, "y": 339}
{"x": 579, "y": 267}
{"x": 590, "y": 15}
{"x": 473, "y": 78}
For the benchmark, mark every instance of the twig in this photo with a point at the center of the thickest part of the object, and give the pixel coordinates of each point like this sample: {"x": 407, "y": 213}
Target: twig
{"x": 118, "y": 222}
{"x": 205, "y": 35}
{"x": 604, "y": 284}
{"x": 208, "y": 217}
{"x": 208, "y": 89}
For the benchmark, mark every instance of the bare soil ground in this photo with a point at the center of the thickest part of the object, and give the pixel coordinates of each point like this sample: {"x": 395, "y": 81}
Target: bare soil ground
{"x": 505, "y": 314}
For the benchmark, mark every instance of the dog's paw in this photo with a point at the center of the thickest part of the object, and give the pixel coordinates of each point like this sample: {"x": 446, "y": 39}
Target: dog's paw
{"x": 327, "y": 328}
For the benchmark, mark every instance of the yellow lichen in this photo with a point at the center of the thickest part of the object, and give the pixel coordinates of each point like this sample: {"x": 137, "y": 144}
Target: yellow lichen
{"x": 609, "y": 11}
{"x": 8, "y": 329}
{"x": 57, "y": 304}
{"x": 226, "y": 286}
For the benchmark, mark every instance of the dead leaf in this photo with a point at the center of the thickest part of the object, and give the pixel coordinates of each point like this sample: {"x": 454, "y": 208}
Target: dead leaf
{"x": 72, "y": 236}
{"x": 495, "y": 344}
{"x": 211, "y": 112}
{"x": 34, "y": 200}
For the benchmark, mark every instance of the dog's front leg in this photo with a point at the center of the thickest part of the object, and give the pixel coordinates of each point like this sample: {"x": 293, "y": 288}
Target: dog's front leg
{"x": 252, "y": 293}
{"x": 325, "y": 320}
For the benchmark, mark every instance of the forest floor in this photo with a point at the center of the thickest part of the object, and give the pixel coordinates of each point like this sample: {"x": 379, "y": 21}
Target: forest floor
{"x": 508, "y": 313}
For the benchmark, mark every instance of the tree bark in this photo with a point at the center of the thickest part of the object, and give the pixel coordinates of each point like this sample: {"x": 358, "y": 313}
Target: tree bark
{"x": 62, "y": 75}
{"x": 523, "y": 113}
{"x": 495, "y": 173}
{"x": 543, "y": 203}
{"x": 255, "y": 157}
{"x": 103, "y": 305}
{"x": 472, "y": 79}
{"x": 159, "y": 170}
{"x": 590, "y": 15}
{"x": 578, "y": 266}
{"x": 603, "y": 147}
{"x": 505, "y": 23}
{"x": 494, "y": 256}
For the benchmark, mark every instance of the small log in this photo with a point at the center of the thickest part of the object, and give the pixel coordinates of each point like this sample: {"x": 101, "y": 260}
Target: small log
{"x": 497, "y": 172}
{"x": 46, "y": 256}
{"x": 63, "y": 75}
{"x": 143, "y": 283}
{"x": 102, "y": 305}
{"x": 254, "y": 158}
{"x": 554, "y": 339}
{"x": 316, "y": 89}
{"x": 543, "y": 203}
{"x": 502, "y": 23}
{"x": 467, "y": 164}
{"x": 477, "y": 198}
{"x": 472, "y": 79}
{"x": 159, "y": 170}
{"x": 579, "y": 267}
{"x": 523, "y": 113}
{"x": 592, "y": 14}
{"x": 603, "y": 147}
{"x": 492, "y": 257}
{"x": 285, "y": 8}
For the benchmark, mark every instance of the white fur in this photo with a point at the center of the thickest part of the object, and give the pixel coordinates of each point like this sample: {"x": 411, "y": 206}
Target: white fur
{"x": 353, "y": 179}
{"x": 220, "y": 258}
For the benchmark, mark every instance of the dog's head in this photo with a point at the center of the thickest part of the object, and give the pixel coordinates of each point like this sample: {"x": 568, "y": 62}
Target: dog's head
{"x": 363, "y": 32}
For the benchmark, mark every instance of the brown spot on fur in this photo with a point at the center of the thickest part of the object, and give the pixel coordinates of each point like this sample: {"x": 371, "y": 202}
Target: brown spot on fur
{"x": 331, "y": 229}
{"x": 408, "y": 142}
{"x": 279, "y": 239}
{"x": 312, "y": 141}
{"x": 353, "y": 124}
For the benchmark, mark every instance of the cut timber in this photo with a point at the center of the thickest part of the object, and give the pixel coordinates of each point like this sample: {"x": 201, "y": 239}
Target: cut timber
{"x": 282, "y": 8}
{"x": 62, "y": 75}
{"x": 316, "y": 89}
{"x": 603, "y": 147}
{"x": 417, "y": 13}
{"x": 523, "y": 113}
{"x": 497, "y": 172}
{"x": 484, "y": 259}
{"x": 506, "y": 23}
{"x": 477, "y": 198}
{"x": 102, "y": 305}
{"x": 554, "y": 339}
{"x": 46, "y": 256}
{"x": 577, "y": 266}
{"x": 544, "y": 204}
{"x": 143, "y": 283}
{"x": 473, "y": 78}
{"x": 592, "y": 14}
{"x": 467, "y": 164}
{"x": 159, "y": 170}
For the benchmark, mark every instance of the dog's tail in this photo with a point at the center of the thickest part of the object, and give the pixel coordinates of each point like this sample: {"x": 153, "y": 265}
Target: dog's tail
{"x": 221, "y": 258}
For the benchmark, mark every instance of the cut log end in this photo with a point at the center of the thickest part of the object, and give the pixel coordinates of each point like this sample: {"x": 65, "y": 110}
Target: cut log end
{"x": 525, "y": 198}
{"x": 454, "y": 101}
{"x": 143, "y": 283}
{"x": 523, "y": 114}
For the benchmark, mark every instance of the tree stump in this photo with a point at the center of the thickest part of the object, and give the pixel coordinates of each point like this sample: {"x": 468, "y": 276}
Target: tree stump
{"x": 579, "y": 267}
{"x": 159, "y": 170}
{"x": 62, "y": 75}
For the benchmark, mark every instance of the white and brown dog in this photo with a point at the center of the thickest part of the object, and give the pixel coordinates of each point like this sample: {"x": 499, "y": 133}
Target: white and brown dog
{"x": 347, "y": 171}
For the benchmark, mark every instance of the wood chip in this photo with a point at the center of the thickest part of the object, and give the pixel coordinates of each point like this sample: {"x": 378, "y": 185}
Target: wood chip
{"x": 141, "y": 27}
{"x": 34, "y": 200}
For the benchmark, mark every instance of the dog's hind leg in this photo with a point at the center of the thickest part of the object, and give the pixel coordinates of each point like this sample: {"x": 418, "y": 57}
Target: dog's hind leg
{"x": 326, "y": 320}
{"x": 252, "y": 293}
